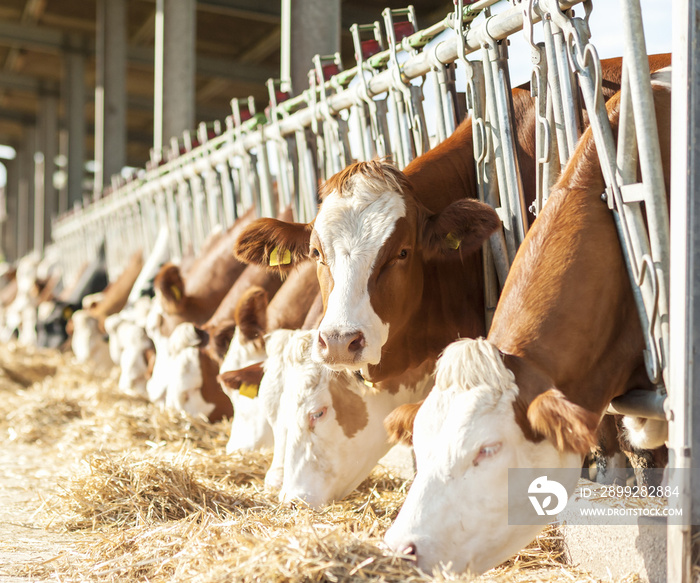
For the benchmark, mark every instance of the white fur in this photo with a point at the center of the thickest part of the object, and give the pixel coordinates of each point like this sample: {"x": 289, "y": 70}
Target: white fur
{"x": 241, "y": 354}
{"x": 352, "y": 229}
{"x": 132, "y": 359}
{"x": 645, "y": 433}
{"x": 321, "y": 464}
{"x": 158, "y": 383}
{"x": 184, "y": 387}
{"x": 250, "y": 429}
{"x": 457, "y": 512}
{"x": 88, "y": 342}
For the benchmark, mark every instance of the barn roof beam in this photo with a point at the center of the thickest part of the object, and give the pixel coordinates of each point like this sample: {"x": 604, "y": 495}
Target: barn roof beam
{"x": 54, "y": 40}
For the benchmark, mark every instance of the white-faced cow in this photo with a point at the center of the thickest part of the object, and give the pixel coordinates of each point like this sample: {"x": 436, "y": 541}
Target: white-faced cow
{"x": 565, "y": 340}
{"x": 254, "y": 318}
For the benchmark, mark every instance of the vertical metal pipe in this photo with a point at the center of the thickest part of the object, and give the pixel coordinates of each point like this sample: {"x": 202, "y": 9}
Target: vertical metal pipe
{"x": 158, "y": 58}
{"x": 684, "y": 393}
{"x": 75, "y": 72}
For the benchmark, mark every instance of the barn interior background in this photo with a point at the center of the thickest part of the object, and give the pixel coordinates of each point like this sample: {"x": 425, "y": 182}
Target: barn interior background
{"x": 125, "y": 115}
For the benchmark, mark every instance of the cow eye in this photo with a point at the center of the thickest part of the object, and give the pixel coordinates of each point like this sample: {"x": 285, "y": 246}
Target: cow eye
{"x": 314, "y": 416}
{"x": 315, "y": 254}
{"x": 487, "y": 451}
{"x": 403, "y": 254}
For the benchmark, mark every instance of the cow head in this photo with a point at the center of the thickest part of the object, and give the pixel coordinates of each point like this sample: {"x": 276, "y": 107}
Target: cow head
{"x": 246, "y": 344}
{"x": 133, "y": 359}
{"x": 185, "y": 374}
{"x": 250, "y": 429}
{"x": 371, "y": 240}
{"x": 329, "y": 428}
{"x": 88, "y": 341}
{"x": 469, "y": 431}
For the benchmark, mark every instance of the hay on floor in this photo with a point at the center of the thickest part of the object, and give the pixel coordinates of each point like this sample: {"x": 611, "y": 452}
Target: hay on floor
{"x": 158, "y": 501}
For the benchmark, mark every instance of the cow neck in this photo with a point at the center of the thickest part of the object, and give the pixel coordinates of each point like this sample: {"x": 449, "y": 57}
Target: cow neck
{"x": 566, "y": 315}
{"x": 445, "y": 173}
{"x": 451, "y": 307}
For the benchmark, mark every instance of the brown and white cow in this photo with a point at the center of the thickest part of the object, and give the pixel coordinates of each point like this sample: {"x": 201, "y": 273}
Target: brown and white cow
{"x": 194, "y": 354}
{"x": 565, "y": 340}
{"x": 193, "y": 298}
{"x": 89, "y": 341}
{"x": 254, "y": 318}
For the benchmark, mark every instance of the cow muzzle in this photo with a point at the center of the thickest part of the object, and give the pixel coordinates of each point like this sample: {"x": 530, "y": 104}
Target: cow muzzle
{"x": 341, "y": 349}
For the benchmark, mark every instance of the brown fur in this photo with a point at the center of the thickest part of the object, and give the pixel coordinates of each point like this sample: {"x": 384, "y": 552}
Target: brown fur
{"x": 290, "y": 305}
{"x": 568, "y": 426}
{"x": 233, "y": 379}
{"x": 350, "y": 410}
{"x": 250, "y": 313}
{"x": 257, "y": 242}
{"x": 117, "y": 293}
{"x": 399, "y": 423}
{"x": 315, "y": 314}
{"x": 566, "y": 317}
{"x": 212, "y": 391}
{"x": 220, "y": 339}
{"x": 171, "y": 287}
{"x": 428, "y": 305}
{"x": 208, "y": 280}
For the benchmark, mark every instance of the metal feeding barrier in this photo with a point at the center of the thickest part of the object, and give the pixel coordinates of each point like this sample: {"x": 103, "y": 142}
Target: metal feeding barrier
{"x": 270, "y": 160}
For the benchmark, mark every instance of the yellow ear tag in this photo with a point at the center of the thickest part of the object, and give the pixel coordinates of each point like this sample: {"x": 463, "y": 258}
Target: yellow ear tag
{"x": 452, "y": 241}
{"x": 285, "y": 259}
{"x": 67, "y": 312}
{"x": 248, "y": 390}
{"x": 176, "y": 292}
{"x": 368, "y": 383}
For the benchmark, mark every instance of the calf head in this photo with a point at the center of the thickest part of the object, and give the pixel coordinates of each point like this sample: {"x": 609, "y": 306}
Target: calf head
{"x": 247, "y": 344}
{"x": 470, "y": 430}
{"x": 250, "y": 429}
{"x": 88, "y": 342}
{"x": 133, "y": 359}
{"x": 371, "y": 240}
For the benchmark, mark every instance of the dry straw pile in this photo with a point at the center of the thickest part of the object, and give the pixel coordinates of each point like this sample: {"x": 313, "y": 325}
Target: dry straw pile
{"x": 158, "y": 501}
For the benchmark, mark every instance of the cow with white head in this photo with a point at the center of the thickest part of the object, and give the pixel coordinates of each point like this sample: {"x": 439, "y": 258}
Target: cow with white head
{"x": 468, "y": 432}
{"x": 328, "y": 425}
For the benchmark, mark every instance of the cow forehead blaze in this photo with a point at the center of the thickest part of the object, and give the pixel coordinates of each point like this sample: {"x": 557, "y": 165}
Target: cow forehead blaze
{"x": 357, "y": 223}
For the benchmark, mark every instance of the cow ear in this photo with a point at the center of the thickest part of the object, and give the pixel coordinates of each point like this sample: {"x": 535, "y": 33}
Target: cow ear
{"x": 399, "y": 423}
{"x": 245, "y": 379}
{"x": 274, "y": 244}
{"x": 220, "y": 338}
{"x": 463, "y": 225}
{"x": 169, "y": 284}
{"x": 567, "y": 425}
{"x": 251, "y": 313}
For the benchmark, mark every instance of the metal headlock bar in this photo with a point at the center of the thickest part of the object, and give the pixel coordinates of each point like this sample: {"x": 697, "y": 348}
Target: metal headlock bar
{"x": 271, "y": 160}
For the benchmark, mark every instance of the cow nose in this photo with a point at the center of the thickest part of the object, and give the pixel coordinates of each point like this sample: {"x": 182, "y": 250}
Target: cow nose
{"x": 340, "y": 347}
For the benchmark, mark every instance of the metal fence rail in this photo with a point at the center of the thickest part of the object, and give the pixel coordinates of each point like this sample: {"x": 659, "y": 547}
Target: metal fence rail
{"x": 278, "y": 158}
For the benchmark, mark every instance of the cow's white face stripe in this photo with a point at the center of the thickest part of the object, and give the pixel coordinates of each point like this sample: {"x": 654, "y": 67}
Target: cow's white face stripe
{"x": 352, "y": 230}
{"x": 457, "y": 510}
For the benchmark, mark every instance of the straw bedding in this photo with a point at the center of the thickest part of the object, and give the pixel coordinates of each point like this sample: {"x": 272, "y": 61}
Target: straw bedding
{"x": 158, "y": 501}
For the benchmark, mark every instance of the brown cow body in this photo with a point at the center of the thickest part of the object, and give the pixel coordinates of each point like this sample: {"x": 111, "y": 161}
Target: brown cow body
{"x": 565, "y": 340}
